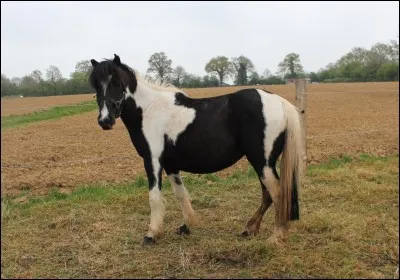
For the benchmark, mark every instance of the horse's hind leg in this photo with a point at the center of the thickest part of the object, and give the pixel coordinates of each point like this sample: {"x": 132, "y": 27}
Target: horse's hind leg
{"x": 256, "y": 157}
{"x": 265, "y": 169}
{"x": 189, "y": 217}
{"x": 253, "y": 225}
{"x": 271, "y": 180}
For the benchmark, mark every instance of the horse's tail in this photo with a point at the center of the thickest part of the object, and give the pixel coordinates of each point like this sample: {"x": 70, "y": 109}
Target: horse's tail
{"x": 291, "y": 164}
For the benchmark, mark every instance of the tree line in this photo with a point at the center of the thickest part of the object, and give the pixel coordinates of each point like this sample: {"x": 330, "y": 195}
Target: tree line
{"x": 379, "y": 63}
{"x": 50, "y": 83}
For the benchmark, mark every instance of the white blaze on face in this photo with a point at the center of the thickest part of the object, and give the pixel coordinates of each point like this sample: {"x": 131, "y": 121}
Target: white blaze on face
{"x": 104, "y": 111}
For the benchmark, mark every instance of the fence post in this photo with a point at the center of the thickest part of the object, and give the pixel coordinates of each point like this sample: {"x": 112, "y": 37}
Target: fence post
{"x": 301, "y": 103}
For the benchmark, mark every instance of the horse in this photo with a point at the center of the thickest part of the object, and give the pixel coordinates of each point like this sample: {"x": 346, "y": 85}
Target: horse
{"x": 174, "y": 132}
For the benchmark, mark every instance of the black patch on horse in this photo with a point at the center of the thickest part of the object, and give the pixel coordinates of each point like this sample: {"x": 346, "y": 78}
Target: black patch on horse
{"x": 277, "y": 148}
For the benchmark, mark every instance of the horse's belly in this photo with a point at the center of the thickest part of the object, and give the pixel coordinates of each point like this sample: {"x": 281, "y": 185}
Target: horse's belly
{"x": 206, "y": 158}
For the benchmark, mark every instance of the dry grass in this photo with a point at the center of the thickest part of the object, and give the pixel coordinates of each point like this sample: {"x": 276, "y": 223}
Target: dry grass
{"x": 348, "y": 228}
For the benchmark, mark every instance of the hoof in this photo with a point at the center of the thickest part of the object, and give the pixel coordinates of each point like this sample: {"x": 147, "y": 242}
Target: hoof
{"x": 148, "y": 241}
{"x": 275, "y": 241}
{"x": 183, "y": 230}
{"x": 248, "y": 233}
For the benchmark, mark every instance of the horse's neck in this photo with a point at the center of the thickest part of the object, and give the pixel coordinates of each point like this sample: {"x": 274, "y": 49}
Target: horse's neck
{"x": 145, "y": 96}
{"x": 144, "y": 104}
{"x": 147, "y": 100}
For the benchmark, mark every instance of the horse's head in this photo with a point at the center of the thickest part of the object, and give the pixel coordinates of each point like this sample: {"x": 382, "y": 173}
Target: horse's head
{"x": 111, "y": 79}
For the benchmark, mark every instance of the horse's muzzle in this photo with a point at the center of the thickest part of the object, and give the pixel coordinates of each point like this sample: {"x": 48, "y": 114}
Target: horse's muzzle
{"x": 106, "y": 124}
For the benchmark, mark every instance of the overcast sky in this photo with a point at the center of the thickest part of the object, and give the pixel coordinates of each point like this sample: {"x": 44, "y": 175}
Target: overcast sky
{"x": 35, "y": 35}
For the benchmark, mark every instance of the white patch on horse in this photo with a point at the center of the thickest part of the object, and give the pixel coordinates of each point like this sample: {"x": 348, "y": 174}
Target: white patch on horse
{"x": 160, "y": 116}
{"x": 157, "y": 206}
{"x": 274, "y": 119}
{"x": 271, "y": 183}
{"x": 104, "y": 111}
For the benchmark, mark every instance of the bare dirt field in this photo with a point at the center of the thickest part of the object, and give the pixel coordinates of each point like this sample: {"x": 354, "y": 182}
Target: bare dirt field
{"x": 342, "y": 119}
{"x": 19, "y": 106}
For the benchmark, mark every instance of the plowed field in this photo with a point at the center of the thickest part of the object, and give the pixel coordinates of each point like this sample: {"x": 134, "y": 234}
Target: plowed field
{"x": 342, "y": 119}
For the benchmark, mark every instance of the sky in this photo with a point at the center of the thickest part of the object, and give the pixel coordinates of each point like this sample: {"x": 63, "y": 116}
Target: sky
{"x": 35, "y": 35}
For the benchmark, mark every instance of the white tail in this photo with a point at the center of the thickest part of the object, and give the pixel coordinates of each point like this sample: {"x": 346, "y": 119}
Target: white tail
{"x": 291, "y": 165}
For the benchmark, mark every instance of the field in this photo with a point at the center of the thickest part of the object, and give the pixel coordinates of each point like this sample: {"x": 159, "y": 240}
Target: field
{"x": 75, "y": 200}
{"x": 18, "y": 106}
{"x": 342, "y": 119}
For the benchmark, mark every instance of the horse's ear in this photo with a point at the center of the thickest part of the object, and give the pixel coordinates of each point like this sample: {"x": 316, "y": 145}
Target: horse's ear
{"x": 117, "y": 60}
{"x": 94, "y": 62}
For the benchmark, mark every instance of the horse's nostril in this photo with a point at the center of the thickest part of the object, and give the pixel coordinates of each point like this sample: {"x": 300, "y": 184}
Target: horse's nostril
{"x": 103, "y": 122}
{"x": 106, "y": 123}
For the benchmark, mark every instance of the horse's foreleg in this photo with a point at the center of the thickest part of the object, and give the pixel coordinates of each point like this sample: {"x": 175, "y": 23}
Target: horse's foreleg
{"x": 157, "y": 202}
{"x": 189, "y": 217}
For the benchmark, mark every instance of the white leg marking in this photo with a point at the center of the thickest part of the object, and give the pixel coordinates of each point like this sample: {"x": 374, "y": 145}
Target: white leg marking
{"x": 273, "y": 186}
{"x": 157, "y": 204}
{"x": 189, "y": 217}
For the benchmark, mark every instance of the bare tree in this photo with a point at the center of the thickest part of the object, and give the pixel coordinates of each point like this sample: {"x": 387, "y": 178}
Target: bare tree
{"x": 84, "y": 66}
{"x": 266, "y": 74}
{"x": 178, "y": 74}
{"x": 16, "y": 81}
{"x": 37, "y": 76}
{"x": 53, "y": 75}
{"x": 160, "y": 65}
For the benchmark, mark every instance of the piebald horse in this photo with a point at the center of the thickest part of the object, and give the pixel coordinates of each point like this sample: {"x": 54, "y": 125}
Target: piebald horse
{"x": 174, "y": 132}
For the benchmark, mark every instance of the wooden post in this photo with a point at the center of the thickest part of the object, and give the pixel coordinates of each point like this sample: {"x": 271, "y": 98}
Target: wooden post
{"x": 301, "y": 103}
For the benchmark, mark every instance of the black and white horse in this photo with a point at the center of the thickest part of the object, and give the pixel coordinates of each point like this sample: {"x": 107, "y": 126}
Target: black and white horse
{"x": 174, "y": 132}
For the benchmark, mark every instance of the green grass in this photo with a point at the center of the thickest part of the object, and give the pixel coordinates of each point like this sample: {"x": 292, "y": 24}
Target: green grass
{"x": 48, "y": 114}
{"x": 348, "y": 227}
